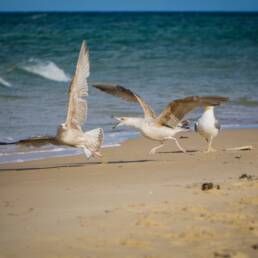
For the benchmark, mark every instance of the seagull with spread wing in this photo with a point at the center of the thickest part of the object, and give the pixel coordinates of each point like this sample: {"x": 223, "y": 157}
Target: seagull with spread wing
{"x": 70, "y": 133}
{"x": 165, "y": 126}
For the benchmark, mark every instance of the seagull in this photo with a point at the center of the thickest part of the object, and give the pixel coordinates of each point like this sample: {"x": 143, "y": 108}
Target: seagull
{"x": 70, "y": 132}
{"x": 208, "y": 126}
{"x": 165, "y": 126}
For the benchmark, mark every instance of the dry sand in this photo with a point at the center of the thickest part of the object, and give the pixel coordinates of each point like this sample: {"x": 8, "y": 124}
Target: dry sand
{"x": 133, "y": 204}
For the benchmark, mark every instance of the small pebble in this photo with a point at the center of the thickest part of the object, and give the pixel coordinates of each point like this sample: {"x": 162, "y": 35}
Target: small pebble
{"x": 223, "y": 255}
{"x": 245, "y": 176}
{"x": 255, "y": 246}
{"x": 208, "y": 186}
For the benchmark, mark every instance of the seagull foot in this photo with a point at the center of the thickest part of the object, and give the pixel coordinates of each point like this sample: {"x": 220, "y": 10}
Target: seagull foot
{"x": 87, "y": 152}
{"x": 210, "y": 150}
{"x": 152, "y": 152}
{"x": 97, "y": 154}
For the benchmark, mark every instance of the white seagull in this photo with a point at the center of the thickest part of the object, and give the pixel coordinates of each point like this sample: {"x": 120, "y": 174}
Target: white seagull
{"x": 70, "y": 133}
{"x": 165, "y": 126}
{"x": 208, "y": 126}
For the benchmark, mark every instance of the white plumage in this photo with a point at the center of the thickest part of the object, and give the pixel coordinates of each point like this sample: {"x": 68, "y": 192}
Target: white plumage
{"x": 207, "y": 126}
{"x": 165, "y": 126}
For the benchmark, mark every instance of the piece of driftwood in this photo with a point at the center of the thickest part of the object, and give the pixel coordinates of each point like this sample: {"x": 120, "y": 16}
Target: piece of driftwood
{"x": 241, "y": 148}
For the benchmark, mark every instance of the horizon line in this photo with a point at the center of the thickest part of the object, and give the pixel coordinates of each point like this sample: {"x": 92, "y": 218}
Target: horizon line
{"x": 129, "y": 11}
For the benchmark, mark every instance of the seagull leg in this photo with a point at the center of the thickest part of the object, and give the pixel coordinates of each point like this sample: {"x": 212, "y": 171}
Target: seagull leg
{"x": 97, "y": 154}
{"x": 153, "y": 150}
{"x": 210, "y": 149}
{"x": 86, "y": 152}
{"x": 178, "y": 145}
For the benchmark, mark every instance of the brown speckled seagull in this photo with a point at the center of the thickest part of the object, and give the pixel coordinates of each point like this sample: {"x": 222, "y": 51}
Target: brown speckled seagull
{"x": 70, "y": 132}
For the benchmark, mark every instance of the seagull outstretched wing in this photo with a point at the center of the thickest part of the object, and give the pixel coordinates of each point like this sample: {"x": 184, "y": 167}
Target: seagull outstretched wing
{"x": 176, "y": 110}
{"x": 126, "y": 94}
{"x": 77, "y": 105}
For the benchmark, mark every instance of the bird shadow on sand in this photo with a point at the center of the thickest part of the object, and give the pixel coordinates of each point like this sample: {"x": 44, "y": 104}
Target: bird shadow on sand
{"x": 76, "y": 165}
{"x": 188, "y": 151}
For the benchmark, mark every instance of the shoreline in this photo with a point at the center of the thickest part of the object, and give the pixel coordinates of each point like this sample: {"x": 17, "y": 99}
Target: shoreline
{"x": 71, "y": 152}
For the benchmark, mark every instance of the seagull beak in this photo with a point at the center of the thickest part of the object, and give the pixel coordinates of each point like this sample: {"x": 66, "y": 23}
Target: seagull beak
{"x": 119, "y": 121}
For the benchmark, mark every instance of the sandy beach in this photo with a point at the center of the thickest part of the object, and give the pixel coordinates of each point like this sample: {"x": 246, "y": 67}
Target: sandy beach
{"x": 132, "y": 204}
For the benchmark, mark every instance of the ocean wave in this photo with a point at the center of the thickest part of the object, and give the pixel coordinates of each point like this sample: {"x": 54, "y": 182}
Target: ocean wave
{"x": 5, "y": 83}
{"x": 244, "y": 101}
{"x": 46, "y": 69}
{"x": 37, "y": 16}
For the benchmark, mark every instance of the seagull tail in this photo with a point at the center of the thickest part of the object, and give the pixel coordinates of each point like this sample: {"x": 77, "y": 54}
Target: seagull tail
{"x": 185, "y": 124}
{"x": 95, "y": 139}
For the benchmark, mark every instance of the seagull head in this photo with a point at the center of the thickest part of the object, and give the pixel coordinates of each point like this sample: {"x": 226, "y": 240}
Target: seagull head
{"x": 134, "y": 122}
{"x": 121, "y": 121}
{"x": 62, "y": 127}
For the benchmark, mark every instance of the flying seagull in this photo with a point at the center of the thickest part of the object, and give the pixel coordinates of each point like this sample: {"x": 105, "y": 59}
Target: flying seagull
{"x": 208, "y": 126}
{"x": 70, "y": 132}
{"x": 165, "y": 126}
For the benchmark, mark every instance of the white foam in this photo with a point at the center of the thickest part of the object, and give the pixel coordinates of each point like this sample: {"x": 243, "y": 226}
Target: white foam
{"x": 37, "y": 16}
{"x": 5, "y": 83}
{"x": 111, "y": 145}
{"x": 47, "y": 69}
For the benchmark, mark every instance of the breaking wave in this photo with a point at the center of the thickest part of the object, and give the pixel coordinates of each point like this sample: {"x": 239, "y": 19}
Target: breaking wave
{"x": 5, "y": 83}
{"x": 47, "y": 69}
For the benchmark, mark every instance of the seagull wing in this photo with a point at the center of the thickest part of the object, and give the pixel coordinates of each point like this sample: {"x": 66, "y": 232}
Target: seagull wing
{"x": 36, "y": 141}
{"x": 176, "y": 110}
{"x": 77, "y": 105}
{"x": 126, "y": 94}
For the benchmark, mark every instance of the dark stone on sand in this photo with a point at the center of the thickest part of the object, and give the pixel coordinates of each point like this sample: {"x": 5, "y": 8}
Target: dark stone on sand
{"x": 207, "y": 186}
{"x": 246, "y": 176}
{"x": 223, "y": 255}
{"x": 255, "y": 246}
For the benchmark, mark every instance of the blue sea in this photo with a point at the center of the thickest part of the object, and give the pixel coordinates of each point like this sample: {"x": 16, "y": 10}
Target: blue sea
{"x": 161, "y": 56}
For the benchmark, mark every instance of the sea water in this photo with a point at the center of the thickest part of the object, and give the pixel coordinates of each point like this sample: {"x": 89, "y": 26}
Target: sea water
{"x": 161, "y": 56}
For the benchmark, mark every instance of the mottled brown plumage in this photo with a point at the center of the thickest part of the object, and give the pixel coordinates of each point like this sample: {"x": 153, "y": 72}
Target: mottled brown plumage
{"x": 70, "y": 133}
{"x": 172, "y": 114}
{"x": 77, "y": 105}
{"x": 177, "y": 109}
{"x": 126, "y": 94}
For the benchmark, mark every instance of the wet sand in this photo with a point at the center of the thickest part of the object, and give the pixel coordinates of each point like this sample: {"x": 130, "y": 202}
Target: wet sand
{"x": 132, "y": 204}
